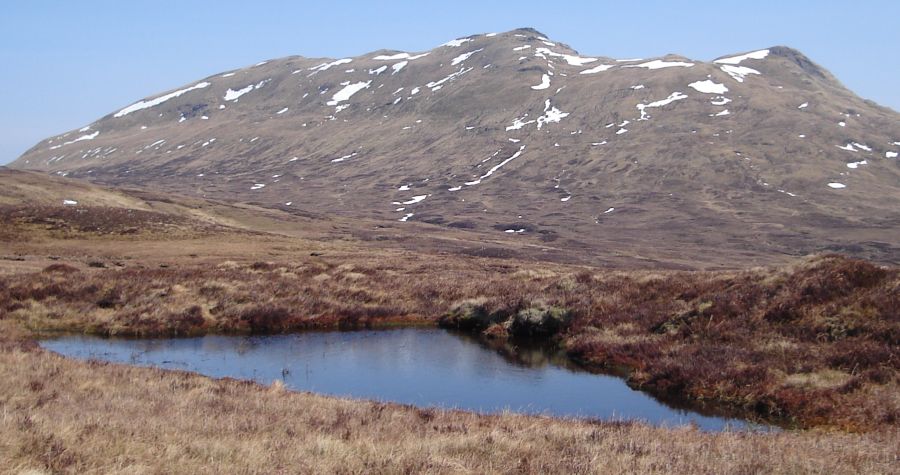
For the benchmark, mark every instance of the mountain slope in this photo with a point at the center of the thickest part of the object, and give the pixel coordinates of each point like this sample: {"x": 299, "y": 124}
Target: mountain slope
{"x": 737, "y": 160}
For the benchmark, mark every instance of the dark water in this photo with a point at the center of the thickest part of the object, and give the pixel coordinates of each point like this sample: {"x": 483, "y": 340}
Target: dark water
{"x": 424, "y": 367}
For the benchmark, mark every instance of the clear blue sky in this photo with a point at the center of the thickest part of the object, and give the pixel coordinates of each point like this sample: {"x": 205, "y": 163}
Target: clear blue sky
{"x": 67, "y": 63}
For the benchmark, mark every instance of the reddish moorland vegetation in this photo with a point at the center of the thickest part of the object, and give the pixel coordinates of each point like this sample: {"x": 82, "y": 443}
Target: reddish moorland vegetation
{"x": 815, "y": 344}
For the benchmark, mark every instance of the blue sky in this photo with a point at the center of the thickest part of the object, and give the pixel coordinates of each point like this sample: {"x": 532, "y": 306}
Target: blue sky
{"x": 67, "y": 63}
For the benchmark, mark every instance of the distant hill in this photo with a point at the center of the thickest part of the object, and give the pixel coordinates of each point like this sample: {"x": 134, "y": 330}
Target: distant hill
{"x": 512, "y": 136}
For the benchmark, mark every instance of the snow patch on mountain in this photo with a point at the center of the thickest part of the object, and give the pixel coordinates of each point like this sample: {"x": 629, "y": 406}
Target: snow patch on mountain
{"x": 457, "y": 43}
{"x": 394, "y": 57}
{"x": 497, "y": 167}
{"x": 545, "y": 83}
{"x": 709, "y": 87}
{"x": 398, "y": 66}
{"x": 660, "y": 64}
{"x": 737, "y": 59}
{"x": 675, "y": 96}
{"x": 345, "y": 157}
{"x": 519, "y": 122}
{"x": 571, "y": 59}
{"x": 464, "y": 57}
{"x": 436, "y": 85}
{"x": 414, "y": 200}
{"x": 232, "y": 95}
{"x": 159, "y": 100}
{"x": 598, "y": 69}
{"x": 551, "y": 115}
{"x": 738, "y": 73}
{"x": 79, "y": 139}
{"x": 327, "y": 66}
{"x": 347, "y": 92}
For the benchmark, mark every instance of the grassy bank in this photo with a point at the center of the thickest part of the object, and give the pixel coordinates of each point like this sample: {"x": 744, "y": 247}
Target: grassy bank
{"x": 815, "y": 343}
{"x": 64, "y": 416}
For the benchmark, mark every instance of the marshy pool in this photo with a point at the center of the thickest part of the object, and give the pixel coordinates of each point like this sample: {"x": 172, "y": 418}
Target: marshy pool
{"x": 423, "y": 367}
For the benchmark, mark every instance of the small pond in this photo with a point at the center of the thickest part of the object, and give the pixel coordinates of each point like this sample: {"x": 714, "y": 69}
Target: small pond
{"x": 424, "y": 367}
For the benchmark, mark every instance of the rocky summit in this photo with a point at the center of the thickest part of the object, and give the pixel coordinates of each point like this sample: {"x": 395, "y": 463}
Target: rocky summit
{"x": 752, "y": 157}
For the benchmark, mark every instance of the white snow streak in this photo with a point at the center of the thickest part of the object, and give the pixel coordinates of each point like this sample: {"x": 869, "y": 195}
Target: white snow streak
{"x": 397, "y": 56}
{"x": 159, "y": 100}
{"x": 79, "y": 139}
{"x": 348, "y": 91}
{"x": 572, "y": 60}
{"x": 464, "y": 57}
{"x": 660, "y": 64}
{"x": 598, "y": 69}
{"x": 398, "y": 66}
{"x": 709, "y": 87}
{"x": 518, "y": 123}
{"x": 496, "y": 167}
{"x": 326, "y": 66}
{"x": 545, "y": 83}
{"x": 439, "y": 84}
{"x": 675, "y": 96}
{"x": 737, "y": 59}
{"x": 738, "y": 73}
{"x": 456, "y": 43}
{"x": 551, "y": 115}
{"x": 414, "y": 200}
{"x": 232, "y": 95}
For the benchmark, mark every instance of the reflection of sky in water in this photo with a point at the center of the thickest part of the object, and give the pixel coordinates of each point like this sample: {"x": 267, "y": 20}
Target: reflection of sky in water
{"x": 422, "y": 367}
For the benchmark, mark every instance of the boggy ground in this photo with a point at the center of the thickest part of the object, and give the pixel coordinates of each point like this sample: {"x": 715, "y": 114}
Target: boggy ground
{"x": 64, "y": 416}
{"x": 814, "y": 344}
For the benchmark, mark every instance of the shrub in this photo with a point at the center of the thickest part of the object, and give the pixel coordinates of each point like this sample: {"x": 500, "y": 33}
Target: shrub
{"x": 539, "y": 321}
{"x": 265, "y": 318}
{"x": 60, "y": 269}
{"x": 469, "y": 315}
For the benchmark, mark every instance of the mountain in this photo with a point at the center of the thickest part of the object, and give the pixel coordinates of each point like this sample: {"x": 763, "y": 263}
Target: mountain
{"x": 749, "y": 158}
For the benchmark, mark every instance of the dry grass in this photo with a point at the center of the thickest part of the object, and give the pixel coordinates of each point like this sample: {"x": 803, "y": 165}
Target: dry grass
{"x": 63, "y": 416}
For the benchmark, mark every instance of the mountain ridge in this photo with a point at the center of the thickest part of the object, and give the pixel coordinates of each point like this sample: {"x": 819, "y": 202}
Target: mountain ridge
{"x": 515, "y": 133}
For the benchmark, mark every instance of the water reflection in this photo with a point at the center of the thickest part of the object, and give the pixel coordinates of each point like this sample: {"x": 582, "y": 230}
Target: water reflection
{"x": 425, "y": 367}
